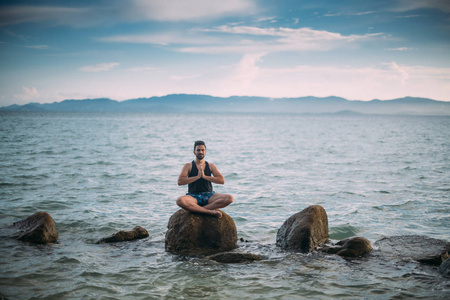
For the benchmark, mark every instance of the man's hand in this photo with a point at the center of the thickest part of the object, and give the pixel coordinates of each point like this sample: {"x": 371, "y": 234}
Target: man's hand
{"x": 184, "y": 178}
{"x": 216, "y": 178}
{"x": 201, "y": 172}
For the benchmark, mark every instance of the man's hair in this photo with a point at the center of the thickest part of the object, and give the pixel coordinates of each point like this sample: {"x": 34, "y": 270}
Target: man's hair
{"x": 197, "y": 143}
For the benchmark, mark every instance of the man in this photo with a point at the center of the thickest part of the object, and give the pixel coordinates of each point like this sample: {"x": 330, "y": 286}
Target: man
{"x": 199, "y": 176}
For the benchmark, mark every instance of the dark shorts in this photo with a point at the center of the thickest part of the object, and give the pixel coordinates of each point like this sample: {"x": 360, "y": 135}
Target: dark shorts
{"x": 202, "y": 198}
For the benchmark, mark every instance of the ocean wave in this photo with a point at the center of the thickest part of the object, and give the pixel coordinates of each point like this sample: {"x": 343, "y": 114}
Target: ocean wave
{"x": 343, "y": 231}
{"x": 396, "y": 206}
{"x": 68, "y": 260}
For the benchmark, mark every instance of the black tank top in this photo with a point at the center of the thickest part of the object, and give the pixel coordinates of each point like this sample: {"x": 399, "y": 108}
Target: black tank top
{"x": 201, "y": 185}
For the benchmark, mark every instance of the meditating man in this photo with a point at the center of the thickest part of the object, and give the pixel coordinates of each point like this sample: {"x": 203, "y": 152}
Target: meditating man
{"x": 199, "y": 176}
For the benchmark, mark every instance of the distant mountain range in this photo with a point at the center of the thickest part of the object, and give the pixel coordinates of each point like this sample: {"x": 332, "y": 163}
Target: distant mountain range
{"x": 183, "y": 103}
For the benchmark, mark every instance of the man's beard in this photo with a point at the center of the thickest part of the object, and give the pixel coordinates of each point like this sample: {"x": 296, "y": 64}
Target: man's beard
{"x": 200, "y": 156}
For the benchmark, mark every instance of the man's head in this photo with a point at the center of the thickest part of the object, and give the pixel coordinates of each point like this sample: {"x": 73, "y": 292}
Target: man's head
{"x": 198, "y": 143}
{"x": 199, "y": 149}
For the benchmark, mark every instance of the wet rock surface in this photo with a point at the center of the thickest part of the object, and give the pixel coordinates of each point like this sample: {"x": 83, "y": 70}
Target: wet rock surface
{"x": 234, "y": 257}
{"x": 136, "y": 233}
{"x": 193, "y": 234}
{"x": 39, "y": 228}
{"x": 419, "y": 248}
{"x": 444, "y": 268}
{"x": 351, "y": 247}
{"x": 305, "y": 230}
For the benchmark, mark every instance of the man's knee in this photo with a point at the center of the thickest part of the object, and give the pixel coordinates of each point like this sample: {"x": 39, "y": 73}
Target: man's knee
{"x": 181, "y": 201}
{"x": 230, "y": 199}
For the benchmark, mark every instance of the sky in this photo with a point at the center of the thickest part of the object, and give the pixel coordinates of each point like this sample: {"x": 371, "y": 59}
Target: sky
{"x": 126, "y": 49}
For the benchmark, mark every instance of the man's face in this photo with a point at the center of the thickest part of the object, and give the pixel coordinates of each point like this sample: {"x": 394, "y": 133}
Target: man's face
{"x": 200, "y": 151}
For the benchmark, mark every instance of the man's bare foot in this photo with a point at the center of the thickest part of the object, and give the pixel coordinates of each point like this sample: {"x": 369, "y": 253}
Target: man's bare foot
{"x": 216, "y": 213}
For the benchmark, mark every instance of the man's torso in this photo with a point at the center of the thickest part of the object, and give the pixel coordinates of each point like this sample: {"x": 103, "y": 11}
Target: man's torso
{"x": 201, "y": 185}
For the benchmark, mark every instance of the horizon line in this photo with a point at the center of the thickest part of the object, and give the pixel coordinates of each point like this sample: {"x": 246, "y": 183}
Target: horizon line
{"x": 179, "y": 94}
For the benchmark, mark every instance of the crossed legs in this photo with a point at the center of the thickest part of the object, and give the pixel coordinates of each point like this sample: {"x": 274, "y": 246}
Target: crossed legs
{"x": 215, "y": 202}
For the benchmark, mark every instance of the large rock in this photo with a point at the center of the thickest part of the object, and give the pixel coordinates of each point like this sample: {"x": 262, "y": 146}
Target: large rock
{"x": 234, "y": 257}
{"x": 138, "y": 232}
{"x": 352, "y": 247}
{"x": 419, "y": 248}
{"x": 192, "y": 233}
{"x": 39, "y": 228}
{"x": 305, "y": 230}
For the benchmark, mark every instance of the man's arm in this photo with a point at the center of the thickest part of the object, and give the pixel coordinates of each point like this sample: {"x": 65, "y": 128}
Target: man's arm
{"x": 183, "y": 178}
{"x": 216, "y": 178}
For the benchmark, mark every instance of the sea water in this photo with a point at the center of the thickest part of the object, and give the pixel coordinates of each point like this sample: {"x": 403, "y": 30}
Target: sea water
{"x": 99, "y": 173}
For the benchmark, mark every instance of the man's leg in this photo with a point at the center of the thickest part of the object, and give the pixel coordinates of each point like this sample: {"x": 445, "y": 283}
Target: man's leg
{"x": 219, "y": 201}
{"x": 190, "y": 204}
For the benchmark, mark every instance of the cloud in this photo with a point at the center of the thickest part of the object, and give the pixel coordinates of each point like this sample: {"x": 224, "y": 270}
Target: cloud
{"x": 182, "y": 10}
{"x": 400, "y": 49}
{"x": 397, "y": 71}
{"x": 265, "y": 19}
{"x": 10, "y": 15}
{"x": 409, "y": 16}
{"x": 163, "y": 38}
{"x": 304, "y": 33}
{"x": 38, "y": 47}
{"x": 186, "y": 77}
{"x": 385, "y": 81}
{"x": 142, "y": 69}
{"x": 28, "y": 93}
{"x": 246, "y": 39}
{"x": 116, "y": 11}
{"x": 11, "y": 33}
{"x": 156, "y": 39}
{"x": 362, "y": 13}
{"x": 99, "y": 67}
{"x": 407, "y": 5}
{"x": 247, "y": 70}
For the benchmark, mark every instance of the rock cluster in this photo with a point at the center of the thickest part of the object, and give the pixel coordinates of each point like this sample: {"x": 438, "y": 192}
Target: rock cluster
{"x": 199, "y": 234}
{"x": 307, "y": 230}
{"x": 191, "y": 233}
{"x": 40, "y": 228}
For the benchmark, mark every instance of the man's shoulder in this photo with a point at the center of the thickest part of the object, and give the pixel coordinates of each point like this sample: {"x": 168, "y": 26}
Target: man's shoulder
{"x": 187, "y": 165}
{"x": 211, "y": 164}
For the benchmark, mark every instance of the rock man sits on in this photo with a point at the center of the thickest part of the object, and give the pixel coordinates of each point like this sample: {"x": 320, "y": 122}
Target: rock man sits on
{"x": 199, "y": 176}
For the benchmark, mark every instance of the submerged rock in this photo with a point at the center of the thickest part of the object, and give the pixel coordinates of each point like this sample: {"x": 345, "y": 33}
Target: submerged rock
{"x": 419, "y": 248}
{"x": 39, "y": 228}
{"x": 137, "y": 233}
{"x": 234, "y": 257}
{"x": 352, "y": 247}
{"x": 192, "y": 233}
{"x": 305, "y": 230}
{"x": 444, "y": 268}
